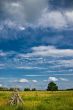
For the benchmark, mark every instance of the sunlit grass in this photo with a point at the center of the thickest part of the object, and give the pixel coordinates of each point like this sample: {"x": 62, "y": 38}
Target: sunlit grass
{"x": 39, "y": 100}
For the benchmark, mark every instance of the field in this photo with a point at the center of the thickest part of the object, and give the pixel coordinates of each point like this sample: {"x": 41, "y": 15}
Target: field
{"x": 39, "y": 100}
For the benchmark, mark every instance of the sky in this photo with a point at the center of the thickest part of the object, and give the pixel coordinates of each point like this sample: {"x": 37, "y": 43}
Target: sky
{"x": 36, "y": 43}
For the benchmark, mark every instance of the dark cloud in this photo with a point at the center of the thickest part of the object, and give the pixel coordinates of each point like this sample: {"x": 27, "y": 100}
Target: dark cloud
{"x": 21, "y": 11}
{"x": 60, "y": 4}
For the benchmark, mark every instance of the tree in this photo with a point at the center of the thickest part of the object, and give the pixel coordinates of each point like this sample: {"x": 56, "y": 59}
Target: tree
{"x": 3, "y": 89}
{"x": 13, "y": 89}
{"x": 52, "y": 86}
{"x": 33, "y": 89}
{"x": 27, "y": 89}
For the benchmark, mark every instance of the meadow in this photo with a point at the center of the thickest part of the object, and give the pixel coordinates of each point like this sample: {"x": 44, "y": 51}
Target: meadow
{"x": 39, "y": 100}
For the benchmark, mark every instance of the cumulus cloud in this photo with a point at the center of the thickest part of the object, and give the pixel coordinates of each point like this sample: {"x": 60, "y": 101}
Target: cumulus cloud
{"x": 26, "y": 81}
{"x": 23, "y": 81}
{"x": 57, "y": 79}
{"x": 53, "y": 79}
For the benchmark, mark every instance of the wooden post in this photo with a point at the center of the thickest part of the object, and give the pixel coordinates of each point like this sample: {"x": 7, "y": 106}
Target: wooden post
{"x": 15, "y": 98}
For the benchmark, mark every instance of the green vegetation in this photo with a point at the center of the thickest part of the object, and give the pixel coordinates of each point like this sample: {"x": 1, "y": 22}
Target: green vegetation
{"x": 39, "y": 100}
{"x": 27, "y": 89}
{"x": 52, "y": 99}
{"x": 52, "y": 87}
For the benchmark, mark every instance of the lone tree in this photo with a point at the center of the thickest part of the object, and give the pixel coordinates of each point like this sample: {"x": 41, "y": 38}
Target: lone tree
{"x": 52, "y": 87}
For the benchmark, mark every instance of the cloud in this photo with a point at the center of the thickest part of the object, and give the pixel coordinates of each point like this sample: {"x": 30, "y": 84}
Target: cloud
{"x": 53, "y": 19}
{"x": 1, "y": 85}
{"x": 26, "y": 81}
{"x": 2, "y": 65}
{"x": 12, "y": 24}
{"x": 3, "y": 54}
{"x": 57, "y": 79}
{"x": 45, "y": 51}
{"x": 59, "y": 60}
{"x": 63, "y": 79}
{"x": 28, "y": 67}
{"x": 34, "y": 81}
{"x": 35, "y": 75}
{"x": 45, "y": 80}
{"x": 35, "y": 13}
{"x": 69, "y": 17}
{"x": 61, "y": 4}
{"x": 53, "y": 79}
{"x": 56, "y": 19}
{"x": 22, "y": 11}
{"x": 23, "y": 81}
{"x": 24, "y": 67}
{"x": 69, "y": 74}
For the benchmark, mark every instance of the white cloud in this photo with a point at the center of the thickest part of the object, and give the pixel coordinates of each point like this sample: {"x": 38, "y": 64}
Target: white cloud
{"x": 28, "y": 67}
{"x": 68, "y": 74}
{"x": 3, "y": 54}
{"x": 2, "y": 65}
{"x": 45, "y": 80}
{"x": 69, "y": 17}
{"x": 35, "y": 75}
{"x": 66, "y": 63}
{"x": 24, "y": 67}
{"x": 1, "y": 85}
{"x": 15, "y": 4}
{"x": 52, "y": 79}
{"x": 34, "y": 81}
{"x": 13, "y": 24}
{"x": 54, "y": 19}
{"x": 64, "y": 79}
{"x": 23, "y": 81}
{"x": 47, "y": 51}
{"x": 57, "y": 79}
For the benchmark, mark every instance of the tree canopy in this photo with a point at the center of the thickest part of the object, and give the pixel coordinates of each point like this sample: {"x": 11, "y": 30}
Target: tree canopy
{"x": 52, "y": 86}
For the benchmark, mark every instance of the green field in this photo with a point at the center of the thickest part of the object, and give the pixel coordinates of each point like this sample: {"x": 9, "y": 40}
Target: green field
{"x": 39, "y": 100}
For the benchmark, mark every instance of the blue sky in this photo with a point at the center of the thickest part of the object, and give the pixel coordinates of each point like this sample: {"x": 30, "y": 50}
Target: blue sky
{"x": 36, "y": 43}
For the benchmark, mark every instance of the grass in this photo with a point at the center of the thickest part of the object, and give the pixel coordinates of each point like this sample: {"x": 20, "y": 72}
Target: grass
{"x": 39, "y": 100}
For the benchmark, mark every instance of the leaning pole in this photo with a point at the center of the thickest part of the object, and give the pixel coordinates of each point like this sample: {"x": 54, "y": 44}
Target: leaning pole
{"x": 15, "y": 98}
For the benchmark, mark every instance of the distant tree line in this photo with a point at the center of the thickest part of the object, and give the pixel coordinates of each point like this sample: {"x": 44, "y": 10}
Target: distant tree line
{"x": 52, "y": 86}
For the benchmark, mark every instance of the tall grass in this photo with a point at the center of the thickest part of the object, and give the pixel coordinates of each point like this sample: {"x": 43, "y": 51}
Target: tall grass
{"x": 43, "y": 100}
